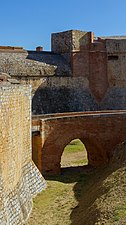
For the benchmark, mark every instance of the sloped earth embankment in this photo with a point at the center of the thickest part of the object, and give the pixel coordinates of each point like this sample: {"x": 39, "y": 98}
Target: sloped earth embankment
{"x": 104, "y": 196}
{"x": 85, "y": 196}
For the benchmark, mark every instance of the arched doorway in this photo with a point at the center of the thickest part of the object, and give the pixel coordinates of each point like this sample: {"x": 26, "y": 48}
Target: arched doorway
{"x": 74, "y": 154}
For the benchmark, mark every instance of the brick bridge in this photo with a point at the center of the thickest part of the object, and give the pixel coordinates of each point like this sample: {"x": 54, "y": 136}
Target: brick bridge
{"x": 99, "y": 131}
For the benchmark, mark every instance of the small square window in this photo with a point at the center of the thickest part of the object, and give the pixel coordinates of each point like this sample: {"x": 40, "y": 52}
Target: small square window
{"x": 113, "y": 57}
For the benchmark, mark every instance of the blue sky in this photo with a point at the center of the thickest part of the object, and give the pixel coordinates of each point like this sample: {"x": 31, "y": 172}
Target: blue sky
{"x": 29, "y": 23}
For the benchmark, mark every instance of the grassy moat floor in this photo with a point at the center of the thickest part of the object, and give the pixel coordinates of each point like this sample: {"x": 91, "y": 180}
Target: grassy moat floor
{"x": 82, "y": 195}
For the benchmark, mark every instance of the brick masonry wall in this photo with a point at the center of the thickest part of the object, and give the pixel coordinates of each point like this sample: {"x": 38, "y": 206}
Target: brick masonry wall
{"x": 100, "y": 132}
{"x": 80, "y": 63}
{"x": 19, "y": 178}
{"x": 98, "y": 80}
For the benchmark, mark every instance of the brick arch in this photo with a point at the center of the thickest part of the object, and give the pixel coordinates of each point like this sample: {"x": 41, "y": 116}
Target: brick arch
{"x": 100, "y": 132}
{"x": 57, "y": 140}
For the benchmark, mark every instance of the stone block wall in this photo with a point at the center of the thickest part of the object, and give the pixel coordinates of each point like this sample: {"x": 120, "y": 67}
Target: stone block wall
{"x": 116, "y": 62}
{"x": 98, "y": 78}
{"x": 20, "y": 180}
{"x": 100, "y": 60}
{"x": 87, "y": 57}
{"x": 63, "y": 94}
{"x": 33, "y": 63}
{"x": 73, "y": 94}
{"x": 116, "y": 45}
{"x": 61, "y": 42}
{"x": 68, "y": 41}
{"x": 81, "y": 73}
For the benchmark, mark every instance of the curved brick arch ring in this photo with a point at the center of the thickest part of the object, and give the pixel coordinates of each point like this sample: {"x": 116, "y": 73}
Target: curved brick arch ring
{"x": 99, "y": 131}
{"x": 54, "y": 145}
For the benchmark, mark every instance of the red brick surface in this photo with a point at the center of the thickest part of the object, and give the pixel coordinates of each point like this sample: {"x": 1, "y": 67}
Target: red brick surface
{"x": 100, "y": 133}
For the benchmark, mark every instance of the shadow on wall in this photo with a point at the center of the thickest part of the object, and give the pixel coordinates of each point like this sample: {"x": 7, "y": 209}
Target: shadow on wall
{"x": 62, "y": 99}
{"x": 62, "y": 68}
{"x": 44, "y": 57}
{"x": 114, "y": 99}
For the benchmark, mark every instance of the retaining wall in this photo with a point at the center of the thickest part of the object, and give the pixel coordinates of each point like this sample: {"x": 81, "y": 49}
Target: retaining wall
{"x": 20, "y": 180}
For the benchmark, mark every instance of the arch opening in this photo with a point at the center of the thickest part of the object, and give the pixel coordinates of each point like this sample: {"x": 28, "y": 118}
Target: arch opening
{"x": 74, "y": 154}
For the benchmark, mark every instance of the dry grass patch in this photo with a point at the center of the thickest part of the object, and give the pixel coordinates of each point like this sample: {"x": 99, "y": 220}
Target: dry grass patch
{"x": 84, "y": 196}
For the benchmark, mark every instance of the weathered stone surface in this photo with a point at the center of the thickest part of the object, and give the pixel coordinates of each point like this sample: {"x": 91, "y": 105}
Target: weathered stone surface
{"x": 115, "y": 98}
{"x": 81, "y": 73}
{"x": 66, "y": 94}
{"x": 68, "y": 41}
{"x": 20, "y": 180}
{"x": 59, "y": 94}
{"x": 32, "y": 63}
{"x": 13, "y": 81}
{"x": 102, "y": 61}
{"x": 4, "y": 77}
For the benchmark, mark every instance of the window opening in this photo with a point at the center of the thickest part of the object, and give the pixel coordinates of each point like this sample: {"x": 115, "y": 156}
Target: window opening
{"x": 113, "y": 57}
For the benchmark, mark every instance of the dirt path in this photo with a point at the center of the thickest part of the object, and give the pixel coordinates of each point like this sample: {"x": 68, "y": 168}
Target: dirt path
{"x": 74, "y": 158}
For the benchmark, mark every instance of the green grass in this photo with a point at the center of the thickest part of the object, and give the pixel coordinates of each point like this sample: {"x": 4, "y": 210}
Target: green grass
{"x": 45, "y": 198}
{"x": 81, "y": 162}
{"x": 74, "y": 146}
{"x": 55, "y": 205}
{"x": 81, "y": 195}
{"x": 120, "y": 212}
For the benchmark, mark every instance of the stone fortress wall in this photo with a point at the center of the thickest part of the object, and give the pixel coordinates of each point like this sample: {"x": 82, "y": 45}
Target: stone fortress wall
{"x": 81, "y": 73}
{"x": 22, "y": 63}
{"x": 101, "y": 61}
{"x": 20, "y": 180}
